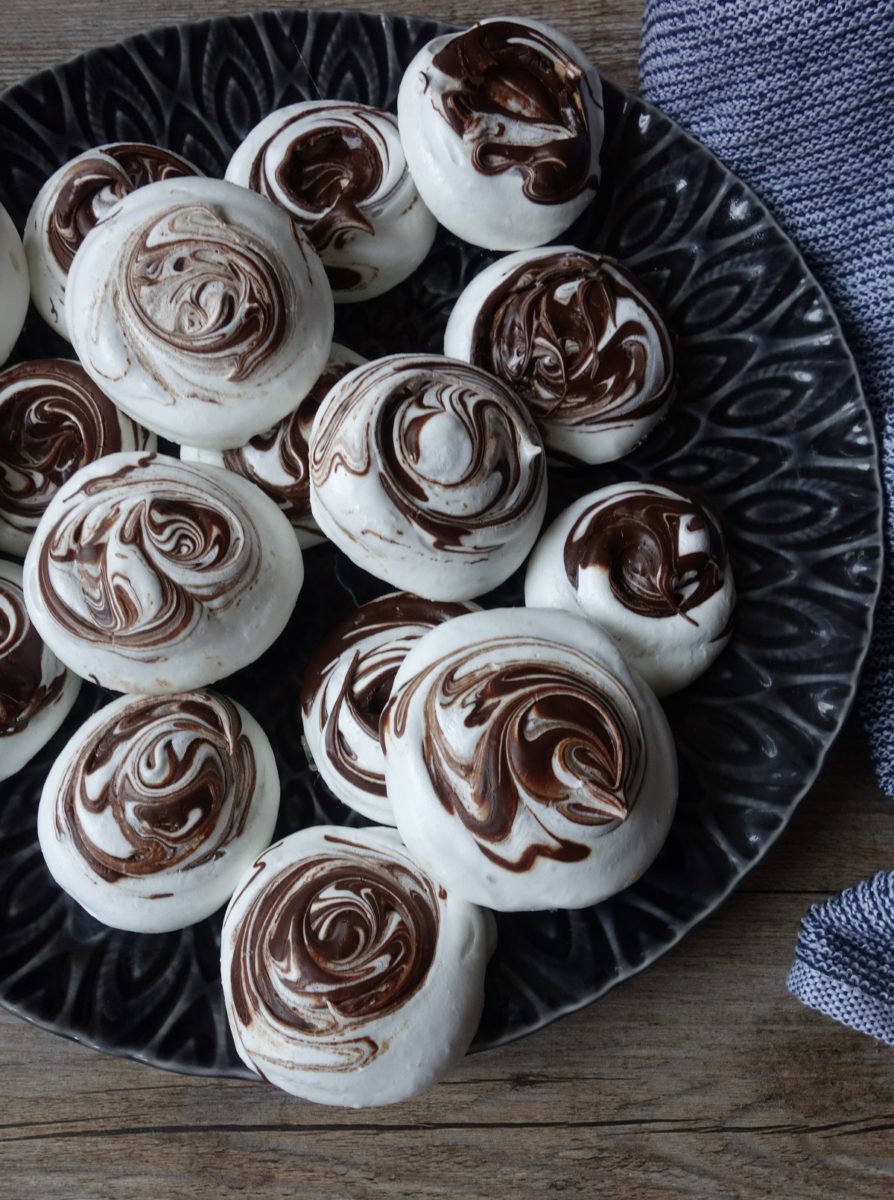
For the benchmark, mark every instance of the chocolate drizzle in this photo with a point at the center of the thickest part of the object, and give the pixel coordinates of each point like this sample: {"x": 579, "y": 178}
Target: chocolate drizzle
{"x": 329, "y": 946}
{"x": 31, "y": 678}
{"x": 574, "y": 335}
{"x": 558, "y": 744}
{"x": 197, "y": 284}
{"x": 144, "y": 554}
{"x": 276, "y": 460}
{"x": 636, "y": 538}
{"x": 346, "y": 702}
{"x": 175, "y": 777}
{"x": 53, "y": 420}
{"x": 93, "y": 183}
{"x": 391, "y": 417}
{"x": 325, "y": 165}
{"x": 522, "y": 104}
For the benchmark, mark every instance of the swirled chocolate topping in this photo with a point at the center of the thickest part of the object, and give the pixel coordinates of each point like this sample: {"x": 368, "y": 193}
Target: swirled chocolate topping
{"x": 137, "y": 557}
{"x": 521, "y": 102}
{"x": 93, "y": 184}
{"x": 330, "y": 944}
{"x": 573, "y": 334}
{"x": 175, "y": 777}
{"x": 636, "y": 538}
{"x": 283, "y": 451}
{"x": 53, "y": 420}
{"x": 328, "y": 171}
{"x": 30, "y": 676}
{"x": 501, "y": 470}
{"x": 378, "y": 635}
{"x": 555, "y": 748}
{"x": 198, "y": 284}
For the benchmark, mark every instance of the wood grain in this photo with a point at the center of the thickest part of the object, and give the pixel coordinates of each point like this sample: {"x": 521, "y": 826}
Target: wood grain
{"x": 701, "y": 1078}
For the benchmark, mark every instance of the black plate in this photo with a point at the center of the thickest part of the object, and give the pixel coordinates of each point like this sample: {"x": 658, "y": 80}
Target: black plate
{"x": 770, "y": 427}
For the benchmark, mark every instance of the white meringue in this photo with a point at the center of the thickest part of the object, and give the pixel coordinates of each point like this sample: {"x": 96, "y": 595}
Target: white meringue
{"x": 428, "y": 473}
{"x": 201, "y": 311}
{"x": 527, "y": 767}
{"x": 14, "y": 285}
{"x": 338, "y": 169}
{"x": 349, "y": 976}
{"x": 156, "y": 807}
{"x": 648, "y": 564}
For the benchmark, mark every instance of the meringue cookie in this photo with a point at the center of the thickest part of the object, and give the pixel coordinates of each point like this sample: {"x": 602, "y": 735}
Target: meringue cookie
{"x": 36, "y": 691}
{"x": 78, "y": 197}
{"x": 527, "y": 767}
{"x": 147, "y": 574}
{"x": 575, "y": 337}
{"x": 349, "y": 976}
{"x": 339, "y": 171}
{"x": 429, "y": 474}
{"x": 347, "y": 684}
{"x": 648, "y": 564}
{"x": 502, "y": 128}
{"x": 53, "y": 420}
{"x": 14, "y": 285}
{"x": 199, "y": 309}
{"x": 156, "y": 807}
{"x": 276, "y": 460}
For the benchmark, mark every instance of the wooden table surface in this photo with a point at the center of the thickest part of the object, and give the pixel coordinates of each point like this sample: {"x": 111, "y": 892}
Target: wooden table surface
{"x": 700, "y": 1078}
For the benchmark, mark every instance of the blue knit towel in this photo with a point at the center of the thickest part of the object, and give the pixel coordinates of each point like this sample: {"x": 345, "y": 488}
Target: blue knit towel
{"x": 797, "y": 97}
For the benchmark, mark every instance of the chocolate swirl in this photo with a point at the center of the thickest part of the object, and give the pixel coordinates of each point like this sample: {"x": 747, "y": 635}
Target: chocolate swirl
{"x": 195, "y": 284}
{"x": 349, "y": 678}
{"x": 664, "y": 553}
{"x": 328, "y": 947}
{"x": 53, "y": 420}
{"x": 94, "y": 182}
{"x": 395, "y": 422}
{"x": 522, "y": 104}
{"x": 141, "y": 556}
{"x": 326, "y": 165}
{"x": 277, "y": 460}
{"x": 163, "y": 785}
{"x": 31, "y": 677}
{"x": 574, "y": 335}
{"x": 533, "y": 746}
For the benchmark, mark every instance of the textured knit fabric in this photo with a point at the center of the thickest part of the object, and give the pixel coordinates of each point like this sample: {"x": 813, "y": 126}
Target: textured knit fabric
{"x": 845, "y": 958}
{"x": 797, "y": 97}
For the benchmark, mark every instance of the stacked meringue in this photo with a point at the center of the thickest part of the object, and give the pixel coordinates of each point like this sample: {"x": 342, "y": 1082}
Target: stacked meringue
{"x": 520, "y": 753}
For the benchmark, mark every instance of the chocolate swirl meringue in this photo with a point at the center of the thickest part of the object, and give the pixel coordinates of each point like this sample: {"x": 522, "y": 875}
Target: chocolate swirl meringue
{"x": 346, "y": 686}
{"x": 36, "y": 691}
{"x": 53, "y": 421}
{"x": 14, "y": 285}
{"x": 573, "y": 334}
{"x": 647, "y": 563}
{"x": 277, "y": 459}
{"x": 429, "y": 474}
{"x": 145, "y": 573}
{"x": 200, "y": 310}
{"x": 502, "y": 126}
{"x": 337, "y": 955}
{"x": 338, "y": 170}
{"x": 156, "y": 806}
{"x": 526, "y": 766}
{"x": 74, "y": 200}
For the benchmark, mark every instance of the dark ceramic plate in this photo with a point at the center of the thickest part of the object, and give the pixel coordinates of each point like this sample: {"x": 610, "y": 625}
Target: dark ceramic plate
{"x": 770, "y": 427}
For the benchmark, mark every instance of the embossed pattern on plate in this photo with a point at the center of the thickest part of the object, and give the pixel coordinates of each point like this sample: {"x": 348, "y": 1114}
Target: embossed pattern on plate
{"x": 770, "y": 427}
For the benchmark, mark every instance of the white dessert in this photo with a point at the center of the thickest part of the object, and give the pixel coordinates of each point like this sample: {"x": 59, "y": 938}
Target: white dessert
{"x": 147, "y": 574}
{"x": 201, "y": 311}
{"x": 527, "y": 766}
{"x": 338, "y": 169}
{"x": 350, "y": 977}
{"x": 156, "y": 807}
{"x": 14, "y": 285}
{"x": 648, "y": 564}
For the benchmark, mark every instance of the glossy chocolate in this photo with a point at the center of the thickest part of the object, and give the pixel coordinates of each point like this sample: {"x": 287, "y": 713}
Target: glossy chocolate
{"x": 30, "y": 675}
